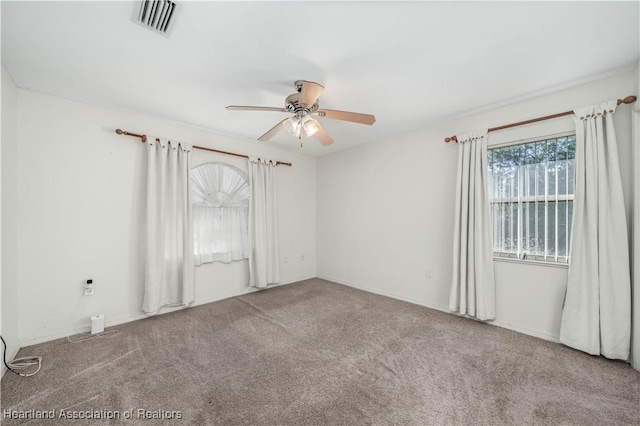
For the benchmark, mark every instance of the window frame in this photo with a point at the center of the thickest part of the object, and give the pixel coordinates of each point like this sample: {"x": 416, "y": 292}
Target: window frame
{"x": 541, "y": 260}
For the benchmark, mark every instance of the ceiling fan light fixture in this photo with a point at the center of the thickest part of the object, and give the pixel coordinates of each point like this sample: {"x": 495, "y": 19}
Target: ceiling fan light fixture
{"x": 310, "y": 126}
{"x": 292, "y": 125}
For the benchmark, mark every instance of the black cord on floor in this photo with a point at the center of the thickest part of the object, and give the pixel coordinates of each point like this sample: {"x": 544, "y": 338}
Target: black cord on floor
{"x": 4, "y": 356}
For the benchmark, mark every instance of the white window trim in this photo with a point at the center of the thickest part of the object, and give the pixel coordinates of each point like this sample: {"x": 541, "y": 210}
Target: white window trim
{"x": 497, "y": 258}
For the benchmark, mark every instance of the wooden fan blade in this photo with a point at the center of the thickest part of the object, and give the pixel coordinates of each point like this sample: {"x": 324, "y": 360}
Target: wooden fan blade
{"x": 354, "y": 117}
{"x": 310, "y": 93}
{"x": 254, "y": 108}
{"x": 273, "y": 131}
{"x": 322, "y": 135}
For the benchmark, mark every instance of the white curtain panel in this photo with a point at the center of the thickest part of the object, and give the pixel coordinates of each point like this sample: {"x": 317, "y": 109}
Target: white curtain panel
{"x": 169, "y": 267}
{"x": 635, "y": 321}
{"x": 220, "y": 213}
{"x": 473, "y": 285}
{"x": 597, "y": 311}
{"x": 264, "y": 263}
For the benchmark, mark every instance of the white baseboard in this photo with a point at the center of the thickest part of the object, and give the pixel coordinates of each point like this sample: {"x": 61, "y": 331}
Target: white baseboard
{"x": 424, "y": 303}
{"x": 83, "y": 329}
{"x": 444, "y": 308}
{"x": 439, "y": 307}
{"x": 535, "y": 333}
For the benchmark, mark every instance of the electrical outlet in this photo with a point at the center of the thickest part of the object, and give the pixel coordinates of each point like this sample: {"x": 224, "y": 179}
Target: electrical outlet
{"x": 88, "y": 288}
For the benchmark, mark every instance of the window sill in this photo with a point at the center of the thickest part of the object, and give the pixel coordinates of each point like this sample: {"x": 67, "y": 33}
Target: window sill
{"x": 531, "y": 262}
{"x": 220, "y": 257}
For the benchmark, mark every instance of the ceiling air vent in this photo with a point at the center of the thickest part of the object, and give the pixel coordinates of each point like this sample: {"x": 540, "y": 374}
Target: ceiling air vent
{"x": 157, "y": 15}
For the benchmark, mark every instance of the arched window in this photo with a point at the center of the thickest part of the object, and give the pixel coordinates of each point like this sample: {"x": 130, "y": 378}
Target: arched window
{"x": 220, "y": 212}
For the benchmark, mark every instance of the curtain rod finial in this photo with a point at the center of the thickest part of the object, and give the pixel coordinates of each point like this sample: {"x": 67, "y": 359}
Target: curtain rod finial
{"x": 628, "y": 100}
{"x": 120, "y": 131}
{"x": 452, "y": 138}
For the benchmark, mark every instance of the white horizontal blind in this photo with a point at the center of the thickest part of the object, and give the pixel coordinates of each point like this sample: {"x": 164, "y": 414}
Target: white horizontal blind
{"x": 531, "y": 187}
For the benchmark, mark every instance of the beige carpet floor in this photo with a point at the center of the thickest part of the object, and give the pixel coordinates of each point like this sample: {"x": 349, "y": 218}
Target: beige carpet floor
{"x": 319, "y": 353}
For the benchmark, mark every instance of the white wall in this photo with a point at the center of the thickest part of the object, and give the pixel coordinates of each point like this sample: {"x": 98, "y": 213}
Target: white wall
{"x": 81, "y": 213}
{"x": 385, "y": 210}
{"x": 9, "y": 287}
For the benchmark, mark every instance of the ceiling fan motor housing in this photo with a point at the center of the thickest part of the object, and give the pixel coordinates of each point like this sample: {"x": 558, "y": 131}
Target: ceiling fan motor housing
{"x": 292, "y": 105}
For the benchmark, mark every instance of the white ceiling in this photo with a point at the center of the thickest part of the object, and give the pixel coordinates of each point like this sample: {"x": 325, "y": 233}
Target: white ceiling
{"x": 409, "y": 63}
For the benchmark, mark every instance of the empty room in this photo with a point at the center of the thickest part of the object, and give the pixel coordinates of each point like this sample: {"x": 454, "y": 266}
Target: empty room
{"x": 320, "y": 213}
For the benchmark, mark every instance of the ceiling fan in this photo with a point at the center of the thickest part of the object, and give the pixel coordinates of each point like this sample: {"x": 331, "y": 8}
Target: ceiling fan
{"x": 304, "y": 105}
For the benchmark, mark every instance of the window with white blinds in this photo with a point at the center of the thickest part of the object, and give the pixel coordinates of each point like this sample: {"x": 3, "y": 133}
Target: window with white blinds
{"x": 531, "y": 187}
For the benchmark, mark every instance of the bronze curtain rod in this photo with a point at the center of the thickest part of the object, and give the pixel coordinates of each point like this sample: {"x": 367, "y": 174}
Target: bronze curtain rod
{"x": 628, "y": 100}
{"x": 143, "y": 138}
